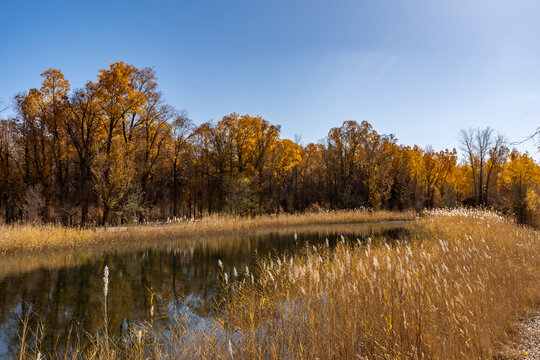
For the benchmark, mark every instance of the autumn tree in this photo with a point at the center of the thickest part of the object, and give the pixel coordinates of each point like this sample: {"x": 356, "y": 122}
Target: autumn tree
{"x": 520, "y": 180}
{"x": 264, "y": 137}
{"x": 358, "y": 161}
{"x": 53, "y": 112}
{"x": 34, "y": 141}
{"x": 310, "y": 180}
{"x": 115, "y": 151}
{"x": 177, "y": 149}
{"x": 286, "y": 156}
{"x": 431, "y": 169}
{"x": 377, "y": 160}
{"x": 83, "y": 128}
{"x": 342, "y": 165}
{"x": 121, "y": 102}
{"x": 209, "y": 165}
{"x": 249, "y": 142}
{"x": 403, "y": 193}
{"x": 11, "y": 182}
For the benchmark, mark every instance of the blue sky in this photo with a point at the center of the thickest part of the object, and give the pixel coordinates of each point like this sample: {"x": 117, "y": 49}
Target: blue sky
{"x": 420, "y": 69}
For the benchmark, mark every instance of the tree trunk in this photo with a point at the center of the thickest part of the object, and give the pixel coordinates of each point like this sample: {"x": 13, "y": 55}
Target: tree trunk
{"x": 84, "y": 211}
{"x": 175, "y": 191}
{"x": 105, "y": 217}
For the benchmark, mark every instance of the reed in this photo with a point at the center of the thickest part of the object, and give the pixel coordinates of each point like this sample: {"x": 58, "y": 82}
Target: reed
{"x": 454, "y": 290}
{"x": 29, "y": 238}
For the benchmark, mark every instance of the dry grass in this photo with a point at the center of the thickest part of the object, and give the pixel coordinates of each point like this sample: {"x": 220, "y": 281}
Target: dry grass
{"x": 21, "y": 262}
{"x": 455, "y": 291}
{"x": 29, "y": 238}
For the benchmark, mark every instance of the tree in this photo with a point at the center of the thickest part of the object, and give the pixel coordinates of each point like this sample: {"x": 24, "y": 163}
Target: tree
{"x": 115, "y": 150}
{"x": 11, "y": 184}
{"x": 178, "y": 147}
{"x": 83, "y": 129}
{"x": 121, "y": 102}
{"x": 343, "y": 161}
{"x": 264, "y": 138}
{"x": 520, "y": 181}
{"x": 54, "y": 109}
{"x": 484, "y": 152}
{"x": 286, "y": 156}
{"x": 112, "y": 173}
{"x": 434, "y": 170}
{"x": 35, "y": 143}
{"x": 358, "y": 161}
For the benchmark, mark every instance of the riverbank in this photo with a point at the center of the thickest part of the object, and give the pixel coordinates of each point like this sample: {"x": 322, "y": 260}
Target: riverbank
{"x": 455, "y": 289}
{"x": 52, "y": 258}
{"x": 18, "y": 239}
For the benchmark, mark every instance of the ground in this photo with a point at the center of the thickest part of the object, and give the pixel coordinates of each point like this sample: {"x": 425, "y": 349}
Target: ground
{"x": 530, "y": 338}
{"x": 528, "y": 343}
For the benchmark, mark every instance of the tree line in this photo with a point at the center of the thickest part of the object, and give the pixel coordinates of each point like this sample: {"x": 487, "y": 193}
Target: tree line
{"x": 114, "y": 152}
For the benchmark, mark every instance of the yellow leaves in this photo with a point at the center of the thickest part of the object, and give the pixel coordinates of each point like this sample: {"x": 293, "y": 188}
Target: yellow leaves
{"x": 532, "y": 199}
{"x": 250, "y": 139}
{"x": 31, "y": 103}
{"x": 520, "y": 182}
{"x": 118, "y": 91}
{"x": 113, "y": 173}
{"x": 521, "y": 170}
{"x": 55, "y": 87}
{"x": 287, "y": 155}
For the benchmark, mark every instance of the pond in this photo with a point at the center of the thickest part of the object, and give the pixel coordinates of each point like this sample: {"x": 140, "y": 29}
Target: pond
{"x": 65, "y": 291}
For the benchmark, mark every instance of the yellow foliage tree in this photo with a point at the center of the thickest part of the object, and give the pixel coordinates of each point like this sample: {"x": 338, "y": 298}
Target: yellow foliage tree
{"x": 520, "y": 181}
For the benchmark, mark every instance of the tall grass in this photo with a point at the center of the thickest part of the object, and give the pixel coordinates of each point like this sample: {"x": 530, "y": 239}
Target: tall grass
{"x": 29, "y": 238}
{"x": 453, "y": 291}
{"x": 15, "y": 263}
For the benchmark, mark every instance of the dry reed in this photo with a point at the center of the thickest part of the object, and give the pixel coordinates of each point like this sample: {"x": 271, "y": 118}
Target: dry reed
{"x": 453, "y": 291}
{"x": 29, "y": 238}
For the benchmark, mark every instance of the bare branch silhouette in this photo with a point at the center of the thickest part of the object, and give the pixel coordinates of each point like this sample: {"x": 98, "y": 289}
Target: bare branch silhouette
{"x": 532, "y": 136}
{"x": 3, "y": 107}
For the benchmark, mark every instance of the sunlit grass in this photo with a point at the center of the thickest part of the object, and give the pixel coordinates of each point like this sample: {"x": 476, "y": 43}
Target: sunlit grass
{"x": 14, "y": 263}
{"x": 453, "y": 291}
{"x": 23, "y": 238}
{"x": 16, "y": 238}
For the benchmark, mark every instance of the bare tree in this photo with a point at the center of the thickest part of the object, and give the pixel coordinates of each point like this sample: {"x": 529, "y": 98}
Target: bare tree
{"x": 181, "y": 126}
{"x": 466, "y": 139}
{"x": 484, "y": 151}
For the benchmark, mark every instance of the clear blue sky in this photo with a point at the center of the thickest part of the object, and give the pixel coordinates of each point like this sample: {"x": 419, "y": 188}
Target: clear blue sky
{"x": 419, "y": 69}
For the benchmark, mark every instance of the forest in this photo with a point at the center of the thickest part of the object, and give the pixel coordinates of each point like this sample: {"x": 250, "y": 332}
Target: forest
{"x": 115, "y": 152}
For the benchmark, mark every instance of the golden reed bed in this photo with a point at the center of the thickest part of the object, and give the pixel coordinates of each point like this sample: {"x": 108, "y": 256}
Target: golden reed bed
{"x": 454, "y": 290}
{"x": 29, "y": 238}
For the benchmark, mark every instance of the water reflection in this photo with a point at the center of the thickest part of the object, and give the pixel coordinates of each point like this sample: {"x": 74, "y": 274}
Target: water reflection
{"x": 61, "y": 294}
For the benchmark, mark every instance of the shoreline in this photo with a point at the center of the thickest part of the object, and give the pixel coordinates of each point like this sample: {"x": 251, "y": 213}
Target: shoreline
{"x": 30, "y": 239}
{"x": 52, "y": 258}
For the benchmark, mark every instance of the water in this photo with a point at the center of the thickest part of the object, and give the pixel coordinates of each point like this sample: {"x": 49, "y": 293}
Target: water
{"x": 65, "y": 291}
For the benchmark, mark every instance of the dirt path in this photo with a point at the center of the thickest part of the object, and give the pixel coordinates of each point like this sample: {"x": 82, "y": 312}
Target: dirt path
{"x": 530, "y": 339}
{"x": 528, "y": 347}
